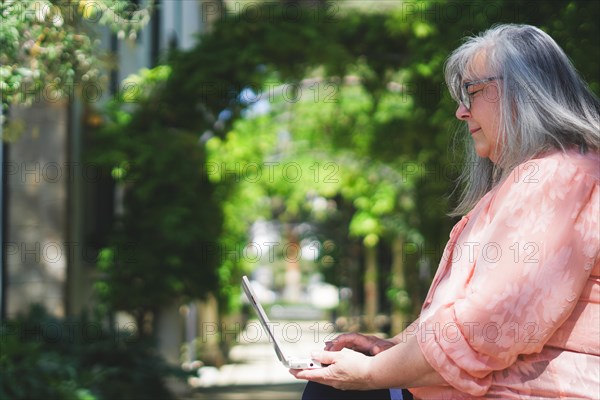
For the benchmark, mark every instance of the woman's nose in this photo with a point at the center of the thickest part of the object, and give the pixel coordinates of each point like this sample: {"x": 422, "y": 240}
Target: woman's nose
{"x": 462, "y": 112}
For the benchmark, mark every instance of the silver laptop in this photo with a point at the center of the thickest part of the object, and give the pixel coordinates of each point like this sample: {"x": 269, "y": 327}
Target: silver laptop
{"x": 289, "y": 362}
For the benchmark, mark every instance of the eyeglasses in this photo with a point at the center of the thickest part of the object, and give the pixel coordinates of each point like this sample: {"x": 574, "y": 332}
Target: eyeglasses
{"x": 465, "y": 96}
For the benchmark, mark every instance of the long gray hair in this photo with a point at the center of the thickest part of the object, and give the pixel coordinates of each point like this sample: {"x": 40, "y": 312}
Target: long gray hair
{"x": 544, "y": 104}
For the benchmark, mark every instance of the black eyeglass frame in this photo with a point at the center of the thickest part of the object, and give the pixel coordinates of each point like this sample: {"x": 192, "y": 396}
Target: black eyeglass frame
{"x": 465, "y": 96}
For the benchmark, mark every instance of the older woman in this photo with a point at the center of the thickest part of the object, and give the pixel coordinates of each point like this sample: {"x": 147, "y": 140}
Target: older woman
{"x": 514, "y": 308}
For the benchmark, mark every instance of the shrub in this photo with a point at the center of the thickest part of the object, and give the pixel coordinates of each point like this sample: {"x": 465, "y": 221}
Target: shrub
{"x": 42, "y": 357}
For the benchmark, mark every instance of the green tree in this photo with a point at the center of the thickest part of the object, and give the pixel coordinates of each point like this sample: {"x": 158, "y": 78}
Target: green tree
{"x": 163, "y": 247}
{"x": 50, "y": 47}
{"x": 291, "y": 137}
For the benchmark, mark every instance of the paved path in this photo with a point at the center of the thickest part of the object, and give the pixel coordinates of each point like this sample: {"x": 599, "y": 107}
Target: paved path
{"x": 255, "y": 371}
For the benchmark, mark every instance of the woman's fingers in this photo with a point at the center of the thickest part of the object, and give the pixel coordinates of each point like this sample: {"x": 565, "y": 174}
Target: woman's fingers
{"x": 369, "y": 345}
{"x": 325, "y": 358}
{"x": 346, "y": 340}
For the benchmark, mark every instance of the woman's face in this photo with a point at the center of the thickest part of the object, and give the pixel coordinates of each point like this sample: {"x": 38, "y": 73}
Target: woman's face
{"x": 483, "y": 116}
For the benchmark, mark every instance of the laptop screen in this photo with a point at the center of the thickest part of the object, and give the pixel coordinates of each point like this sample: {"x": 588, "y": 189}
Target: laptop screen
{"x": 262, "y": 316}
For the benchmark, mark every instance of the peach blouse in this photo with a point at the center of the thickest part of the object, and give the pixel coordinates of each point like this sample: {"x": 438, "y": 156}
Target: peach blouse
{"x": 513, "y": 310}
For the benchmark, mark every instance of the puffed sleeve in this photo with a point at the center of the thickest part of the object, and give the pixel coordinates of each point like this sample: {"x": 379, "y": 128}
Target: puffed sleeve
{"x": 534, "y": 247}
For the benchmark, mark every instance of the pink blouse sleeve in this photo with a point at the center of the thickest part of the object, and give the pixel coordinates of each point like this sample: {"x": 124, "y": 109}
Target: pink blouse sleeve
{"x": 534, "y": 246}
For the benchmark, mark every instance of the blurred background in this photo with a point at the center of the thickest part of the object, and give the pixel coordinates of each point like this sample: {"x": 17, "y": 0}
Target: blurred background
{"x": 155, "y": 151}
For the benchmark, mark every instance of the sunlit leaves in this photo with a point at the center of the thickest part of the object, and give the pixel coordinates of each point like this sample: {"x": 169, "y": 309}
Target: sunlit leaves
{"x": 50, "y": 49}
{"x": 164, "y": 244}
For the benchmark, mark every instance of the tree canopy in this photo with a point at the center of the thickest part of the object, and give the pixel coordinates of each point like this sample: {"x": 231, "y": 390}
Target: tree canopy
{"x": 346, "y": 107}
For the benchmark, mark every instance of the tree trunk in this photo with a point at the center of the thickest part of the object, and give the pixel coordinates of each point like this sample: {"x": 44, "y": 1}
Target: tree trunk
{"x": 371, "y": 287}
{"x": 169, "y": 333}
{"x": 399, "y": 317}
{"x": 293, "y": 276}
{"x": 210, "y": 332}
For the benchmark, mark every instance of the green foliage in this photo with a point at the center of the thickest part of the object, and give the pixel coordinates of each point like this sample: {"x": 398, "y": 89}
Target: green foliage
{"x": 248, "y": 52}
{"x": 76, "y": 359}
{"x": 235, "y": 166}
{"x": 286, "y": 165}
{"x": 360, "y": 94}
{"x": 50, "y": 47}
{"x": 164, "y": 245}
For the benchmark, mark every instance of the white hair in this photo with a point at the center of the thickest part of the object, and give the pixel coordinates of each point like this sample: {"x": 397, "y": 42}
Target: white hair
{"x": 544, "y": 103}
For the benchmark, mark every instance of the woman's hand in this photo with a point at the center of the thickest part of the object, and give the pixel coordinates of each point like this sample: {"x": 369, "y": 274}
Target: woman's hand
{"x": 402, "y": 364}
{"x": 369, "y": 345}
{"x": 348, "y": 358}
{"x": 347, "y": 370}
